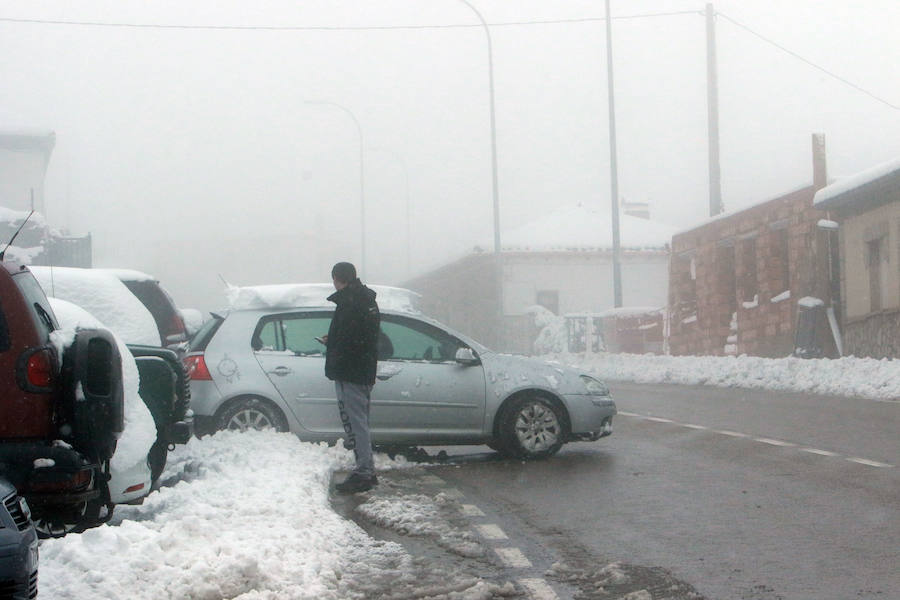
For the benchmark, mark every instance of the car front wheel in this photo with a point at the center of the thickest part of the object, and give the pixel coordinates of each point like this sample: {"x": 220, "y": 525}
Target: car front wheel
{"x": 532, "y": 427}
{"x": 252, "y": 413}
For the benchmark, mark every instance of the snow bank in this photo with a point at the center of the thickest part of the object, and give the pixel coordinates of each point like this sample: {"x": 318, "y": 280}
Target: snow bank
{"x": 140, "y": 430}
{"x": 104, "y": 297}
{"x": 305, "y": 295}
{"x": 849, "y": 376}
{"x": 249, "y": 519}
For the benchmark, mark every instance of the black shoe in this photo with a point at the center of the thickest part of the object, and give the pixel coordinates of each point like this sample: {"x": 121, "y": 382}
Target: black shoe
{"x": 356, "y": 483}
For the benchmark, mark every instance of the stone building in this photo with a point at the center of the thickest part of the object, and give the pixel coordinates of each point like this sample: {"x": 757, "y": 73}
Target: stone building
{"x": 740, "y": 283}
{"x": 867, "y": 207}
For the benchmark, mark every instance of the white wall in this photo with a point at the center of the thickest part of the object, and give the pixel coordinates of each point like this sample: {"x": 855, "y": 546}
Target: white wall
{"x": 19, "y": 173}
{"x": 584, "y": 281}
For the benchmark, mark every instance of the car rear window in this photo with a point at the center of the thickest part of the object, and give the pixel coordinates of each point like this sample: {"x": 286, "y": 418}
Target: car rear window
{"x": 206, "y": 332}
{"x": 39, "y": 307}
{"x": 160, "y": 305}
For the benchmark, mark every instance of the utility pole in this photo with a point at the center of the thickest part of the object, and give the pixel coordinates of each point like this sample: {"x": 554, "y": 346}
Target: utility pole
{"x": 712, "y": 101}
{"x": 613, "y": 166}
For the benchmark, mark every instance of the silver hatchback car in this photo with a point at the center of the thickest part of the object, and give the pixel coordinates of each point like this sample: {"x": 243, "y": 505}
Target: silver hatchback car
{"x": 262, "y": 367}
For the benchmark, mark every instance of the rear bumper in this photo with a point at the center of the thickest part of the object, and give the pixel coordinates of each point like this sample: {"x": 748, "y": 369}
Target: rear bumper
{"x": 63, "y": 476}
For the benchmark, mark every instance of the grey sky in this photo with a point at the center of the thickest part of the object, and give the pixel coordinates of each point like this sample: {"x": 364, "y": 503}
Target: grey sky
{"x": 190, "y": 153}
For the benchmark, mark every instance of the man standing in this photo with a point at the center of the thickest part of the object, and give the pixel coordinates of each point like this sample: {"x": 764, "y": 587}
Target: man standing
{"x": 351, "y": 358}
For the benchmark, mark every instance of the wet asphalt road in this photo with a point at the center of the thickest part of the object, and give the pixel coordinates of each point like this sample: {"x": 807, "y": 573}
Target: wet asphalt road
{"x": 740, "y": 494}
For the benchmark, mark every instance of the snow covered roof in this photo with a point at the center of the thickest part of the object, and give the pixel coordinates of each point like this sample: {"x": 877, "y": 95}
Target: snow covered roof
{"x": 581, "y": 227}
{"x": 840, "y": 192}
{"x": 20, "y": 140}
{"x": 308, "y": 295}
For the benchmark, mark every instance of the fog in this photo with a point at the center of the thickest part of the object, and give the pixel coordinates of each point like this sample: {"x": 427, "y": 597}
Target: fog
{"x": 199, "y": 153}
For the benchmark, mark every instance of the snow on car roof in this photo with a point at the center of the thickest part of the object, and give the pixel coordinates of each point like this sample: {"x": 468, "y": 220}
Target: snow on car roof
{"x": 105, "y": 297}
{"x": 307, "y": 295}
{"x": 129, "y": 274}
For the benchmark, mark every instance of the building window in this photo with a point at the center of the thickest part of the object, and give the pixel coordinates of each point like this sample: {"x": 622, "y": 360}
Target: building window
{"x": 726, "y": 283}
{"x": 749, "y": 284}
{"x": 873, "y": 264}
{"x": 781, "y": 258}
{"x": 549, "y": 299}
{"x": 684, "y": 300}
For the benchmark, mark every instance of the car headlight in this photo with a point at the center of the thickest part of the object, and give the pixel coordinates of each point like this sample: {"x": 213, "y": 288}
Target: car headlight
{"x": 595, "y": 386}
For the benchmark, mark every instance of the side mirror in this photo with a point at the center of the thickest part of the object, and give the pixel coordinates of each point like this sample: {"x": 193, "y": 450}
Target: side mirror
{"x": 466, "y": 357}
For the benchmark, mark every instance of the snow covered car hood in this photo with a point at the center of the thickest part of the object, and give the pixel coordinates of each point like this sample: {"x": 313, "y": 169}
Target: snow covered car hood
{"x": 508, "y": 373}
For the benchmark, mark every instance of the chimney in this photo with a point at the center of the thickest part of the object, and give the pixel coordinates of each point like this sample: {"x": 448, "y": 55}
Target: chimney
{"x": 637, "y": 209}
{"x": 820, "y": 169}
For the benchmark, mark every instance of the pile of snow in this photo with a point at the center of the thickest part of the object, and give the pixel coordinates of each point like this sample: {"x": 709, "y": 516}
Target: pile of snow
{"x": 554, "y": 337}
{"x": 848, "y": 376}
{"x": 128, "y": 274}
{"x": 243, "y": 516}
{"x": 105, "y": 297}
{"x": 310, "y": 295}
{"x": 140, "y": 431}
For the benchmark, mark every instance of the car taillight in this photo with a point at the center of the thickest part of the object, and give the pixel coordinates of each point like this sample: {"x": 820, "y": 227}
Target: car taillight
{"x": 196, "y": 367}
{"x": 61, "y": 482}
{"x": 39, "y": 369}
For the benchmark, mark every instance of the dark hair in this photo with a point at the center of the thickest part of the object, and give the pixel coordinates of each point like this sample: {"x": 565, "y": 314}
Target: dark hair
{"x": 344, "y": 272}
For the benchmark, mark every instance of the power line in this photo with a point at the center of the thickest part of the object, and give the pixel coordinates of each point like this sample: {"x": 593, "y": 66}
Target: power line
{"x": 808, "y": 62}
{"x": 335, "y": 28}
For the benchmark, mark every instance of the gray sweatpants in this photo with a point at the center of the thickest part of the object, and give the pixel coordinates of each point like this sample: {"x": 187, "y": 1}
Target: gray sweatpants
{"x": 353, "y": 404}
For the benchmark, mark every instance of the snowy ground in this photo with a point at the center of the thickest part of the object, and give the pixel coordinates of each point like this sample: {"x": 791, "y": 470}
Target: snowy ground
{"x": 248, "y": 516}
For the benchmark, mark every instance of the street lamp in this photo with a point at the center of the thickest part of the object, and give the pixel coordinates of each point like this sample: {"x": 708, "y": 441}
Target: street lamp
{"x": 362, "y": 180}
{"x": 496, "y": 192}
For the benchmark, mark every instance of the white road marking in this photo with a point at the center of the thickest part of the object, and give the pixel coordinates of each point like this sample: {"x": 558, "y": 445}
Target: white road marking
{"x": 513, "y": 557}
{"x": 538, "y": 589}
{"x": 820, "y": 452}
{"x": 871, "y": 463}
{"x": 736, "y": 434}
{"x": 489, "y": 531}
{"x": 470, "y": 510}
{"x": 764, "y": 440}
{"x": 432, "y": 480}
{"x": 775, "y": 442}
{"x": 452, "y": 493}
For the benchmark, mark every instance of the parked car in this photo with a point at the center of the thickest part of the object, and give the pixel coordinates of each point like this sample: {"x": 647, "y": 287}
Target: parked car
{"x": 260, "y": 365}
{"x": 18, "y": 546}
{"x": 164, "y": 386}
{"x": 169, "y": 320}
{"x": 63, "y": 397}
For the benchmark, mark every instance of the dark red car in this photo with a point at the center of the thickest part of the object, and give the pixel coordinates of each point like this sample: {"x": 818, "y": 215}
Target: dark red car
{"x": 60, "y": 416}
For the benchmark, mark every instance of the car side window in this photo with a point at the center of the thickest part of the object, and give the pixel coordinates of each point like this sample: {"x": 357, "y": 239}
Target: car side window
{"x": 418, "y": 341}
{"x": 300, "y": 334}
{"x": 267, "y": 337}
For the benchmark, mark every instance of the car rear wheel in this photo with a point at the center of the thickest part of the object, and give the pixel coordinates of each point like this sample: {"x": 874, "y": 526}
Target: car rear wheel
{"x": 531, "y": 427}
{"x": 252, "y": 413}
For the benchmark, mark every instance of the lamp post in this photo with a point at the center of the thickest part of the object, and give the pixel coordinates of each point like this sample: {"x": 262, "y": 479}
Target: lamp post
{"x": 496, "y": 190}
{"x": 362, "y": 179}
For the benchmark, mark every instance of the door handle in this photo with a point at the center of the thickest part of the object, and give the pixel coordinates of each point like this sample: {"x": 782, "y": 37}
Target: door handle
{"x": 386, "y": 372}
{"x": 281, "y": 371}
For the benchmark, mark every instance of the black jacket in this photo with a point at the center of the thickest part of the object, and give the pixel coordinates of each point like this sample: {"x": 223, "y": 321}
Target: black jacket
{"x": 351, "y": 354}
